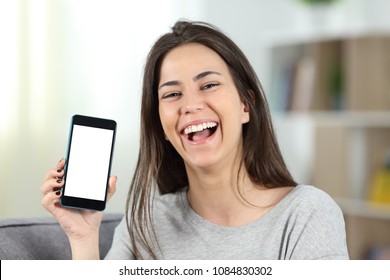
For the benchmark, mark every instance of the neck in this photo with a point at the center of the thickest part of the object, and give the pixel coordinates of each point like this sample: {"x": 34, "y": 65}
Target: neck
{"x": 217, "y": 195}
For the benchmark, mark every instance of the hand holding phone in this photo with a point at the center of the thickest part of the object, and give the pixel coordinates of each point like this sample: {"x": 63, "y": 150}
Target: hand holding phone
{"x": 78, "y": 225}
{"x": 88, "y": 164}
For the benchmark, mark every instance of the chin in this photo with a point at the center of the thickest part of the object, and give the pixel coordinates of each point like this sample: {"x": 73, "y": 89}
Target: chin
{"x": 202, "y": 162}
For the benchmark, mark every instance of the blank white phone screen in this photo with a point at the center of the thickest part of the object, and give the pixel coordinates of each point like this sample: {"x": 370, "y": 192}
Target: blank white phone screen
{"x": 89, "y": 159}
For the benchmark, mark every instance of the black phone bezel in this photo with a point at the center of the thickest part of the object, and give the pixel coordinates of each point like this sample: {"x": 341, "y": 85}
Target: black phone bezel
{"x": 84, "y": 203}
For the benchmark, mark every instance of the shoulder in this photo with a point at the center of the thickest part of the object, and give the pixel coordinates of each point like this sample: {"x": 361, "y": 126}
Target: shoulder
{"x": 170, "y": 199}
{"x": 310, "y": 199}
{"x": 310, "y": 191}
{"x": 315, "y": 224}
{"x": 311, "y": 195}
{"x": 169, "y": 205}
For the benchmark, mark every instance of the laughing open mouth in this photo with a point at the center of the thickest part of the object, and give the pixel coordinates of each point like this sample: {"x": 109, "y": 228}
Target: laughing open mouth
{"x": 200, "y": 131}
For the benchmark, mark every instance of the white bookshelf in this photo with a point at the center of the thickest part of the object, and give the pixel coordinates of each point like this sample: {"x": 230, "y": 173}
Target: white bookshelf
{"x": 338, "y": 150}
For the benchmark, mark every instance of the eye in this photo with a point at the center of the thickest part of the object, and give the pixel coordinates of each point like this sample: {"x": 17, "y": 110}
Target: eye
{"x": 171, "y": 95}
{"x": 209, "y": 86}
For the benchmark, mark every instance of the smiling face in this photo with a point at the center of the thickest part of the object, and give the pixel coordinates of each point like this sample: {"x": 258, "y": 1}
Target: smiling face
{"x": 200, "y": 108}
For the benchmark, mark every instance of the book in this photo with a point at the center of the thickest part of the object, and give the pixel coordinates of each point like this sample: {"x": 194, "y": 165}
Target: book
{"x": 303, "y": 84}
{"x": 380, "y": 187}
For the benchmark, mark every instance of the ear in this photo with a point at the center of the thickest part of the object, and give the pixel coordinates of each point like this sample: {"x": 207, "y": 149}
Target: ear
{"x": 245, "y": 113}
{"x": 246, "y": 109}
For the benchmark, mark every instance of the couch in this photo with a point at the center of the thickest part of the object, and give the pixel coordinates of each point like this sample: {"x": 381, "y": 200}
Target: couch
{"x": 43, "y": 238}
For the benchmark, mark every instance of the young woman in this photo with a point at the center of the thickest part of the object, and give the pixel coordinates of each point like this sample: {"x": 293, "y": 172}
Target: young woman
{"x": 210, "y": 181}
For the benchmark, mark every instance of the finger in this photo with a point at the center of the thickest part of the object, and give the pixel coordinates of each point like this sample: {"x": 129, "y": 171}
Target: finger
{"x": 51, "y": 201}
{"x": 57, "y": 171}
{"x": 112, "y": 186}
{"x": 51, "y": 185}
{"x": 61, "y": 164}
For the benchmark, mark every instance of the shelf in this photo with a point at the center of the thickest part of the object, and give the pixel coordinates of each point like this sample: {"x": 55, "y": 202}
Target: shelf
{"x": 355, "y": 119}
{"x": 352, "y": 119}
{"x": 364, "y": 209}
{"x": 329, "y": 99}
{"x": 308, "y": 36}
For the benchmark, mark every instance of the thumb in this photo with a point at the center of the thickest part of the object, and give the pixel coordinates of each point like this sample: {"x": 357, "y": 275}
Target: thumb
{"x": 111, "y": 187}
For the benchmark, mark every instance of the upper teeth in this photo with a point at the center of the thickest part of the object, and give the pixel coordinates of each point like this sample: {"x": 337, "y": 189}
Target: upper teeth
{"x": 199, "y": 127}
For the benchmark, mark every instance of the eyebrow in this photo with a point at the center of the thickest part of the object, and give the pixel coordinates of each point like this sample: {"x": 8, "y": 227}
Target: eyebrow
{"x": 205, "y": 74}
{"x": 196, "y": 78}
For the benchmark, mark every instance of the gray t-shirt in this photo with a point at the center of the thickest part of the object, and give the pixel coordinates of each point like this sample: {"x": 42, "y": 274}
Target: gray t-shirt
{"x": 306, "y": 224}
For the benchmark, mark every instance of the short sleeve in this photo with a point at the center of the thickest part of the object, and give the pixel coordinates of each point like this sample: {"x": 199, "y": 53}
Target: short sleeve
{"x": 121, "y": 245}
{"x": 317, "y": 230}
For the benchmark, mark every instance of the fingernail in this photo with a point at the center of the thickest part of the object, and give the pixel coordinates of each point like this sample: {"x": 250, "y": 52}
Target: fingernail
{"x": 61, "y": 159}
{"x": 59, "y": 180}
{"x": 58, "y": 192}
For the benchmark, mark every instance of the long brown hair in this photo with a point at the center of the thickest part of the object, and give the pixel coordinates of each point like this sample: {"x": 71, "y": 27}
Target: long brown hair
{"x": 160, "y": 168}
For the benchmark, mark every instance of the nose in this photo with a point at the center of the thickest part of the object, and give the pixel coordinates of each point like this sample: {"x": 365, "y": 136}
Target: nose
{"x": 192, "y": 104}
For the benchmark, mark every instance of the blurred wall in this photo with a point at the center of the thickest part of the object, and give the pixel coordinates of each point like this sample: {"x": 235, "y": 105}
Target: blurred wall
{"x": 61, "y": 57}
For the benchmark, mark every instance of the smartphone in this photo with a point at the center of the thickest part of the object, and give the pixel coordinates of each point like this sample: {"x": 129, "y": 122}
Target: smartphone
{"x": 88, "y": 163}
